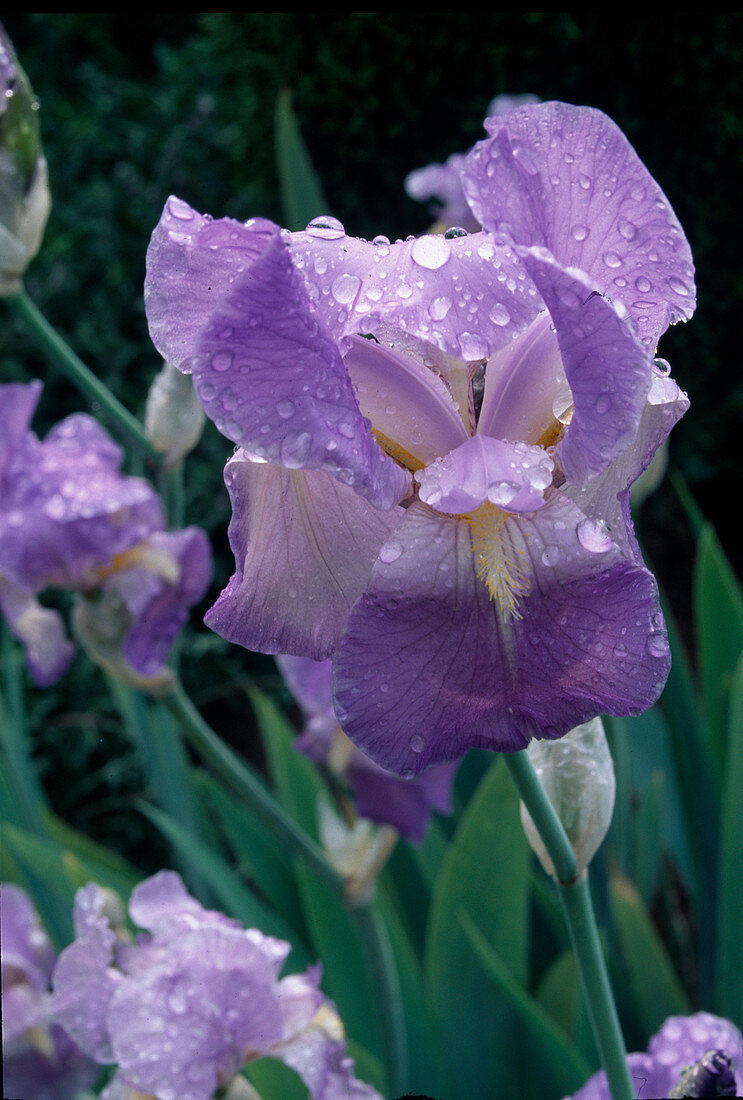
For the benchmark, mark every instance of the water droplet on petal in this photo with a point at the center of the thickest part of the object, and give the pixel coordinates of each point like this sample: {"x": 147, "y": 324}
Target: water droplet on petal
{"x": 627, "y": 229}
{"x": 326, "y": 227}
{"x": 580, "y": 232}
{"x": 390, "y": 552}
{"x": 439, "y": 308}
{"x": 643, "y": 284}
{"x": 603, "y": 403}
{"x": 417, "y": 743}
{"x": 222, "y": 360}
{"x": 345, "y": 288}
{"x": 593, "y": 535}
{"x": 431, "y": 252}
{"x": 499, "y": 315}
{"x": 612, "y": 259}
{"x": 285, "y": 408}
{"x": 678, "y": 285}
{"x": 657, "y": 645}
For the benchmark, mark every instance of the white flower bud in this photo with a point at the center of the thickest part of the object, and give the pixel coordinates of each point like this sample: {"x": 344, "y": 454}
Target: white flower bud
{"x": 357, "y": 851}
{"x": 174, "y": 419}
{"x": 577, "y": 773}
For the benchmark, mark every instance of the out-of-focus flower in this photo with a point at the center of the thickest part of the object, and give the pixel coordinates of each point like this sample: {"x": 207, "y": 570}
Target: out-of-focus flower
{"x": 681, "y": 1042}
{"x": 174, "y": 419}
{"x": 24, "y": 189}
{"x": 442, "y": 183}
{"x": 437, "y": 438}
{"x": 70, "y": 519}
{"x": 577, "y": 774}
{"x": 197, "y": 997}
{"x": 379, "y": 795}
{"x": 39, "y": 1059}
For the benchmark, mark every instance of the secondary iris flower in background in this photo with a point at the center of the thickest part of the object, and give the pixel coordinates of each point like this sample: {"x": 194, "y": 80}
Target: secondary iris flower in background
{"x": 379, "y": 795}
{"x": 70, "y": 519}
{"x": 437, "y": 437}
{"x": 681, "y": 1042}
{"x": 182, "y": 1010}
{"x": 39, "y": 1059}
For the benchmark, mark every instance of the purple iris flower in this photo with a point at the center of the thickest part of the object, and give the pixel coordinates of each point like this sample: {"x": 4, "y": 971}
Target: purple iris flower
{"x": 379, "y": 795}
{"x": 70, "y": 519}
{"x": 437, "y": 439}
{"x": 183, "y": 1009}
{"x": 682, "y": 1041}
{"x": 39, "y": 1059}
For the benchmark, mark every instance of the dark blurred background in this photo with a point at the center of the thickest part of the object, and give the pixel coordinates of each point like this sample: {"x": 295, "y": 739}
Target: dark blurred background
{"x": 135, "y": 107}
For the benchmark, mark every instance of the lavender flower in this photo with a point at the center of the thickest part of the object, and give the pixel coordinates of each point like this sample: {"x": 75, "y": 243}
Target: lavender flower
{"x": 39, "y": 1059}
{"x": 70, "y": 519}
{"x": 380, "y": 795}
{"x": 682, "y": 1041}
{"x": 437, "y": 438}
{"x": 183, "y": 1009}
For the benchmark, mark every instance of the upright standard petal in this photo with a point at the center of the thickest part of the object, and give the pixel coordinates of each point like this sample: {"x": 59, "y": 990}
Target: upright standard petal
{"x": 304, "y": 546}
{"x": 566, "y": 178}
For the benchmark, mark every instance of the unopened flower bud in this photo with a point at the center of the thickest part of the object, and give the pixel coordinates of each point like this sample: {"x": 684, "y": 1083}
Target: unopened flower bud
{"x": 577, "y": 773}
{"x": 357, "y": 852}
{"x": 174, "y": 419}
{"x": 24, "y": 189}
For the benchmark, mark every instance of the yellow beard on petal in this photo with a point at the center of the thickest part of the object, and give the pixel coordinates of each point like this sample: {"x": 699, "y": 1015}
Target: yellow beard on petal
{"x": 499, "y": 564}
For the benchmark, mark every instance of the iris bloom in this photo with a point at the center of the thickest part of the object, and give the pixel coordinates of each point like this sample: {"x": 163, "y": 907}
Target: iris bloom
{"x": 197, "y": 997}
{"x": 70, "y": 519}
{"x": 436, "y": 439}
{"x": 682, "y": 1042}
{"x": 39, "y": 1058}
{"x": 379, "y": 795}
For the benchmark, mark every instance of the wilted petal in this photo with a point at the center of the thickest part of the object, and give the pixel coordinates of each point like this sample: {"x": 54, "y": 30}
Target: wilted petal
{"x": 304, "y": 545}
{"x": 566, "y": 178}
{"x": 266, "y": 370}
{"x": 429, "y": 667}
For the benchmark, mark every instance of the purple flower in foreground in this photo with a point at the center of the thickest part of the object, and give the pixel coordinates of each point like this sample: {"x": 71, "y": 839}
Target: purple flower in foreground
{"x": 196, "y": 998}
{"x": 380, "y": 795}
{"x": 39, "y": 1059}
{"x": 437, "y": 439}
{"x": 682, "y": 1041}
{"x": 70, "y": 519}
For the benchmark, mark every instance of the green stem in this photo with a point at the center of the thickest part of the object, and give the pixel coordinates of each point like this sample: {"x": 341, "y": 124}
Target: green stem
{"x": 247, "y": 786}
{"x": 65, "y": 359}
{"x": 575, "y": 895}
{"x": 386, "y": 983}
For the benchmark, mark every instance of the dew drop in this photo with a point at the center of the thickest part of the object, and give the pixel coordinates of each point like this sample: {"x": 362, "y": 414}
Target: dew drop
{"x": 593, "y": 535}
{"x": 580, "y": 232}
{"x": 417, "y": 743}
{"x": 285, "y": 408}
{"x": 326, "y": 227}
{"x": 627, "y": 229}
{"x": 499, "y": 315}
{"x": 180, "y": 209}
{"x": 222, "y": 360}
{"x": 643, "y": 284}
{"x": 390, "y": 552}
{"x": 603, "y": 403}
{"x": 657, "y": 645}
{"x": 612, "y": 259}
{"x": 551, "y": 555}
{"x": 345, "y": 288}
{"x": 431, "y": 252}
{"x": 439, "y": 308}
{"x": 678, "y": 285}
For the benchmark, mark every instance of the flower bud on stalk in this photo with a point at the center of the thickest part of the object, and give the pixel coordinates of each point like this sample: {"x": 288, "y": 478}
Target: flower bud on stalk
{"x": 577, "y": 773}
{"x": 174, "y": 419}
{"x": 24, "y": 192}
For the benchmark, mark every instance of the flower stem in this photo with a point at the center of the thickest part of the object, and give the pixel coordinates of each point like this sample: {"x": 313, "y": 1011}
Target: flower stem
{"x": 575, "y": 896}
{"x": 65, "y": 359}
{"x": 386, "y": 983}
{"x": 247, "y": 786}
